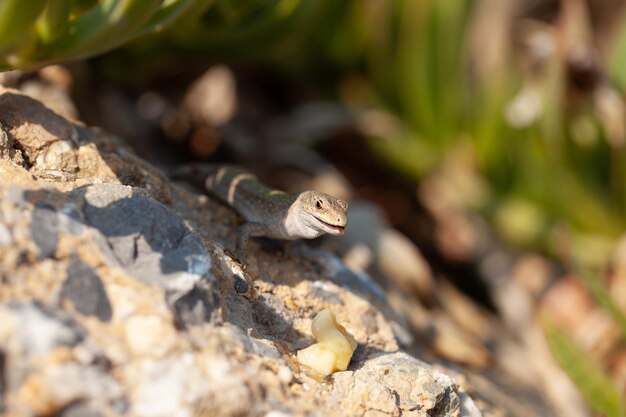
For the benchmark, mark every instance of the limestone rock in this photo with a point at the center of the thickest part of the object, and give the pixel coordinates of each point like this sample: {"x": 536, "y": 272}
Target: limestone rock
{"x": 117, "y": 299}
{"x": 397, "y": 384}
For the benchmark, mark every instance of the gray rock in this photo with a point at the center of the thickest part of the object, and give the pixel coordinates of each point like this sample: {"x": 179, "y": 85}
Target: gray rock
{"x": 261, "y": 347}
{"x": 194, "y": 308}
{"x": 241, "y": 285}
{"x": 339, "y": 273}
{"x": 80, "y": 382}
{"x": 146, "y": 238}
{"x": 468, "y": 407}
{"x": 324, "y": 292}
{"x": 36, "y": 330}
{"x": 79, "y": 410}
{"x": 397, "y": 383}
{"x": 6, "y": 143}
{"x": 71, "y": 219}
{"x": 45, "y": 229}
{"x": 391, "y": 255}
{"x": 161, "y": 391}
{"x": 273, "y": 318}
{"x": 135, "y": 233}
{"x": 84, "y": 288}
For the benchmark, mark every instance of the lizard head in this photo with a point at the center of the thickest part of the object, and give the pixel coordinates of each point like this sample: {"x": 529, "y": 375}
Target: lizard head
{"x": 324, "y": 212}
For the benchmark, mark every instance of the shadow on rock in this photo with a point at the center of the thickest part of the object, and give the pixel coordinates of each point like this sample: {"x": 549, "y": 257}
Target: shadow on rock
{"x": 135, "y": 233}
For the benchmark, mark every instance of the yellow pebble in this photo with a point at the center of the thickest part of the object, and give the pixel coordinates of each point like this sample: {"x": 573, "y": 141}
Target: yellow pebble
{"x": 334, "y": 348}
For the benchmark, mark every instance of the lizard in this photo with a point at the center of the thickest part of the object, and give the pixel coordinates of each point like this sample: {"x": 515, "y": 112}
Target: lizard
{"x": 269, "y": 212}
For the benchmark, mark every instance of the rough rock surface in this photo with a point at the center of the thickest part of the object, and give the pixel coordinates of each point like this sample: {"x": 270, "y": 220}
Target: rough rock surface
{"x": 116, "y": 298}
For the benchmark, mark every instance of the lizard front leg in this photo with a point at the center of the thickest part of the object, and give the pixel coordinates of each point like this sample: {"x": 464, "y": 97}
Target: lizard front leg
{"x": 245, "y": 232}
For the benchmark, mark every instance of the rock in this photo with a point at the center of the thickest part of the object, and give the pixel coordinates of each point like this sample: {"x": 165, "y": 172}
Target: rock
{"x": 468, "y": 407}
{"x": 212, "y": 99}
{"x": 116, "y": 297}
{"x": 194, "y": 307}
{"x": 44, "y": 227}
{"x": 53, "y": 96}
{"x": 397, "y": 384}
{"x": 339, "y": 273}
{"x": 84, "y": 289}
{"x": 32, "y": 329}
{"x": 145, "y": 238}
{"x": 370, "y": 244}
{"x": 47, "y": 141}
{"x": 79, "y": 410}
{"x": 6, "y": 144}
{"x": 38, "y": 343}
{"x": 79, "y": 382}
{"x": 161, "y": 390}
{"x": 149, "y": 335}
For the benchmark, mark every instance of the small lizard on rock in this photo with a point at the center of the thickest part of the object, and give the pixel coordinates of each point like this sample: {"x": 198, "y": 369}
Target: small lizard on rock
{"x": 268, "y": 212}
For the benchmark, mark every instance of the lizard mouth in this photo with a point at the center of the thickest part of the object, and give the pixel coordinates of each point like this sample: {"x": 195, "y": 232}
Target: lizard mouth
{"x": 334, "y": 229}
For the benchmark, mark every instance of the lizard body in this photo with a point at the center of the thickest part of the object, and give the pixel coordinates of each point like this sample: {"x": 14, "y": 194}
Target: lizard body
{"x": 272, "y": 213}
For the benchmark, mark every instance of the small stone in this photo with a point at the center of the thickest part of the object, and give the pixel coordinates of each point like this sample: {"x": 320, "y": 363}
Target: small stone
{"x": 334, "y": 348}
{"x": 84, "y": 288}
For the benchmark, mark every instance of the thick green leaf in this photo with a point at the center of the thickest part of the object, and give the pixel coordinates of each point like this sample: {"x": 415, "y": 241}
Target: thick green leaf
{"x": 16, "y": 22}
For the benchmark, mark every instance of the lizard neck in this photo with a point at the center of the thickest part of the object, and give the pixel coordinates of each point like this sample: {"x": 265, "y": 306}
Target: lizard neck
{"x": 299, "y": 224}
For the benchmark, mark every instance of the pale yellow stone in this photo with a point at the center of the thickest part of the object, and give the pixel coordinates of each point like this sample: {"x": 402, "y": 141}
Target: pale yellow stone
{"x": 319, "y": 358}
{"x": 334, "y": 348}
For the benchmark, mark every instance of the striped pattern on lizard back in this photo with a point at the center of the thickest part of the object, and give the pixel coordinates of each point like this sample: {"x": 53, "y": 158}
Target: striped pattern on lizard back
{"x": 246, "y": 194}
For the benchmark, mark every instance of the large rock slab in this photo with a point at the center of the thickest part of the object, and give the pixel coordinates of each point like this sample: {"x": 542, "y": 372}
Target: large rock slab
{"x": 116, "y": 297}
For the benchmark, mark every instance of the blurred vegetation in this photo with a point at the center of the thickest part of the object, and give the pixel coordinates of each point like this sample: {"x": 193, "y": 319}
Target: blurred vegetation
{"x": 586, "y": 373}
{"x": 536, "y": 100}
{"x": 585, "y": 370}
{"x": 539, "y": 106}
{"x": 38, "y": 32}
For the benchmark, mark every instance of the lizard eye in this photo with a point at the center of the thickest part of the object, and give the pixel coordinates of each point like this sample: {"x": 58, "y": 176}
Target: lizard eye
{"x": 318, "y": 204}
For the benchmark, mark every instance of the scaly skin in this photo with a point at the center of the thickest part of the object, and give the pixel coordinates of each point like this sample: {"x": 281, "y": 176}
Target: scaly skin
{"x": 272, "y": 213}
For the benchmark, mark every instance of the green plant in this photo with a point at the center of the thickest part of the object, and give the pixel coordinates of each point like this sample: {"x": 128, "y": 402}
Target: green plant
{"x": 39, "y": 32}
{"x": 566, "y": 160}
{"x": 587, "y": 374}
